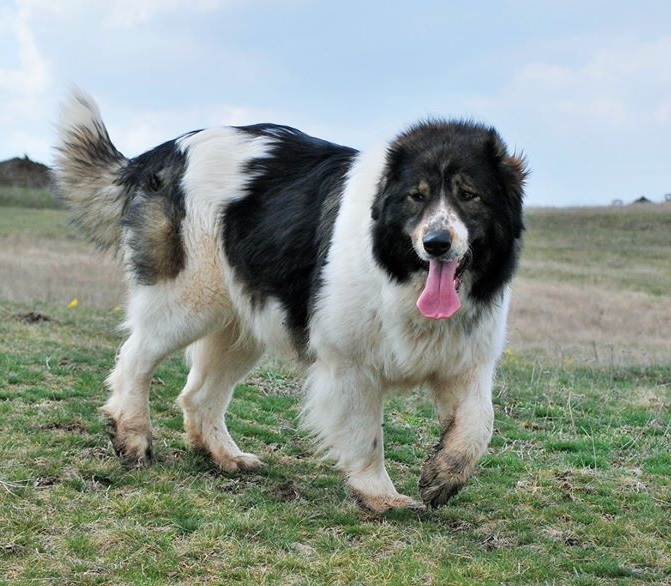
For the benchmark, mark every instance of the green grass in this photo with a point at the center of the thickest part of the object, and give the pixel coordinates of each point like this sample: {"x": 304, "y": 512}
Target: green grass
{"x": 26, "y": 197}
{"x": 618, "y": 248}
{"x": 576, "y": 488}
{"x": 49, "y": 224}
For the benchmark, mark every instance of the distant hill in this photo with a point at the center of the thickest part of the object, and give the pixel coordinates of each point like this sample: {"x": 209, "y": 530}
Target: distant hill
{"x": 25, "y": 173}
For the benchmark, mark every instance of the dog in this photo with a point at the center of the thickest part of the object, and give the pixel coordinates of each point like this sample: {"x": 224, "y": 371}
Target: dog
{"x": 377, "y": 271}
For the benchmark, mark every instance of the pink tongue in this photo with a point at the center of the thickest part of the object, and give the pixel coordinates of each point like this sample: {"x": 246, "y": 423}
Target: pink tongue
{"x": 439, "y": 300}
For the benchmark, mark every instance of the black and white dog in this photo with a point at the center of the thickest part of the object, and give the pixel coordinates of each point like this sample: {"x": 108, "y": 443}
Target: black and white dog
{"x": 377, "y": 271}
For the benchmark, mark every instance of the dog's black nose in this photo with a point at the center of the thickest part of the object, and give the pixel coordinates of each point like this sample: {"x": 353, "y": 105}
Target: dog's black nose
{"x": 437, "y": 242}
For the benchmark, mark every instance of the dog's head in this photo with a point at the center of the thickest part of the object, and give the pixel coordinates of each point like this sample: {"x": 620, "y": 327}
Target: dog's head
{"x": 449, "y": 201}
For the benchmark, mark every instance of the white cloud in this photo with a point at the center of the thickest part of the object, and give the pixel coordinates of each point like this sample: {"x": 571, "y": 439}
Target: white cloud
{"x": 135, "y": 131}
{"x": 24, "y": 87}
{"x": 49, "y": 45}
{"x": 617, "y": 87}
{"x": 594, "y": 128}
{"x": 131, "y": 13}
{"x": 32, "y": 76}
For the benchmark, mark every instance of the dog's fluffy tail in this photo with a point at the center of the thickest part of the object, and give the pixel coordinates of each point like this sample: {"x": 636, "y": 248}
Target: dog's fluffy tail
{"x": 87, "y": 171}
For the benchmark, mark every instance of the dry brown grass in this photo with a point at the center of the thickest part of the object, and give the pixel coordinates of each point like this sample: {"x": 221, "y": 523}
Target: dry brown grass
{"x": 590, "y": 324}
{"x": 55, "y": 271}
{"x": 569, "y": 303}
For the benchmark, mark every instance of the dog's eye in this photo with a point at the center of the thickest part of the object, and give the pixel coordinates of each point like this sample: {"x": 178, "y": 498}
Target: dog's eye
{"x": 416, "y": 196}
{"x": 468, "y": 195}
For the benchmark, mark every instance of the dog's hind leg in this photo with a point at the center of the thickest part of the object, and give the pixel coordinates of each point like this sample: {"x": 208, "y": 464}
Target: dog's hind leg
{"x": 218, "y": 361}
{"x": 128, "y": 405}
{"x": 344, "y": 410}
{"x": 158, "y": 327}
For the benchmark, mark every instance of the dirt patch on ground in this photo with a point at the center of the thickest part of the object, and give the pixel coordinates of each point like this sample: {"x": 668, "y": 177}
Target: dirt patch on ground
{"x": 33, "y": 317}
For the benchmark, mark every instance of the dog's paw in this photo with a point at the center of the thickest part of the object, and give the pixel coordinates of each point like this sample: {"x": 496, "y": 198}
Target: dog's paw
{"x": 385, "y": 504}
{"x": 442, "y": 477}
{"x": 133, "y": 446}
{"x": 436, "y": 493}
{"x": 241, "y": 463}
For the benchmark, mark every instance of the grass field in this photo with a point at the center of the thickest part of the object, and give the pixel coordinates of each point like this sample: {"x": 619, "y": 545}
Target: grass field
{"x": 575, "y": 489}
{"x": 26, "y": 197}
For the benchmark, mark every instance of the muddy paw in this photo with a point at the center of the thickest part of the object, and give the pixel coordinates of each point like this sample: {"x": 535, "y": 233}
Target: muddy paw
{"x": 436, "y": 494}
{"x": 443, "y": 477}
{"x": 131, "y": 445}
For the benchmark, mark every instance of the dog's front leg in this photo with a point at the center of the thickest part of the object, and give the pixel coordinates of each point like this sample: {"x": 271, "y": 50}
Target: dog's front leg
{"x": 465, "y": 408}
{"x": 344, "y": 410}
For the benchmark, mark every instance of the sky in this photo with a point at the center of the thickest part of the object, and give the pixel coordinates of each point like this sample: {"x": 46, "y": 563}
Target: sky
{"x": 582, "y": 88}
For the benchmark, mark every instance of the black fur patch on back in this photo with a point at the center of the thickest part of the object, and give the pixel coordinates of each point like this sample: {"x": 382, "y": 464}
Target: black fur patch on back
{"x": 278, "y": 236}
{"x": 154, "y": 212}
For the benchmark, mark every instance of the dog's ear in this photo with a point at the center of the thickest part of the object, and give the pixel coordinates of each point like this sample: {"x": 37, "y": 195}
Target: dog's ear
{"x": 396, "y": 156}
{"x": 513, "y": 171}
{"x": 378, "y": 203}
